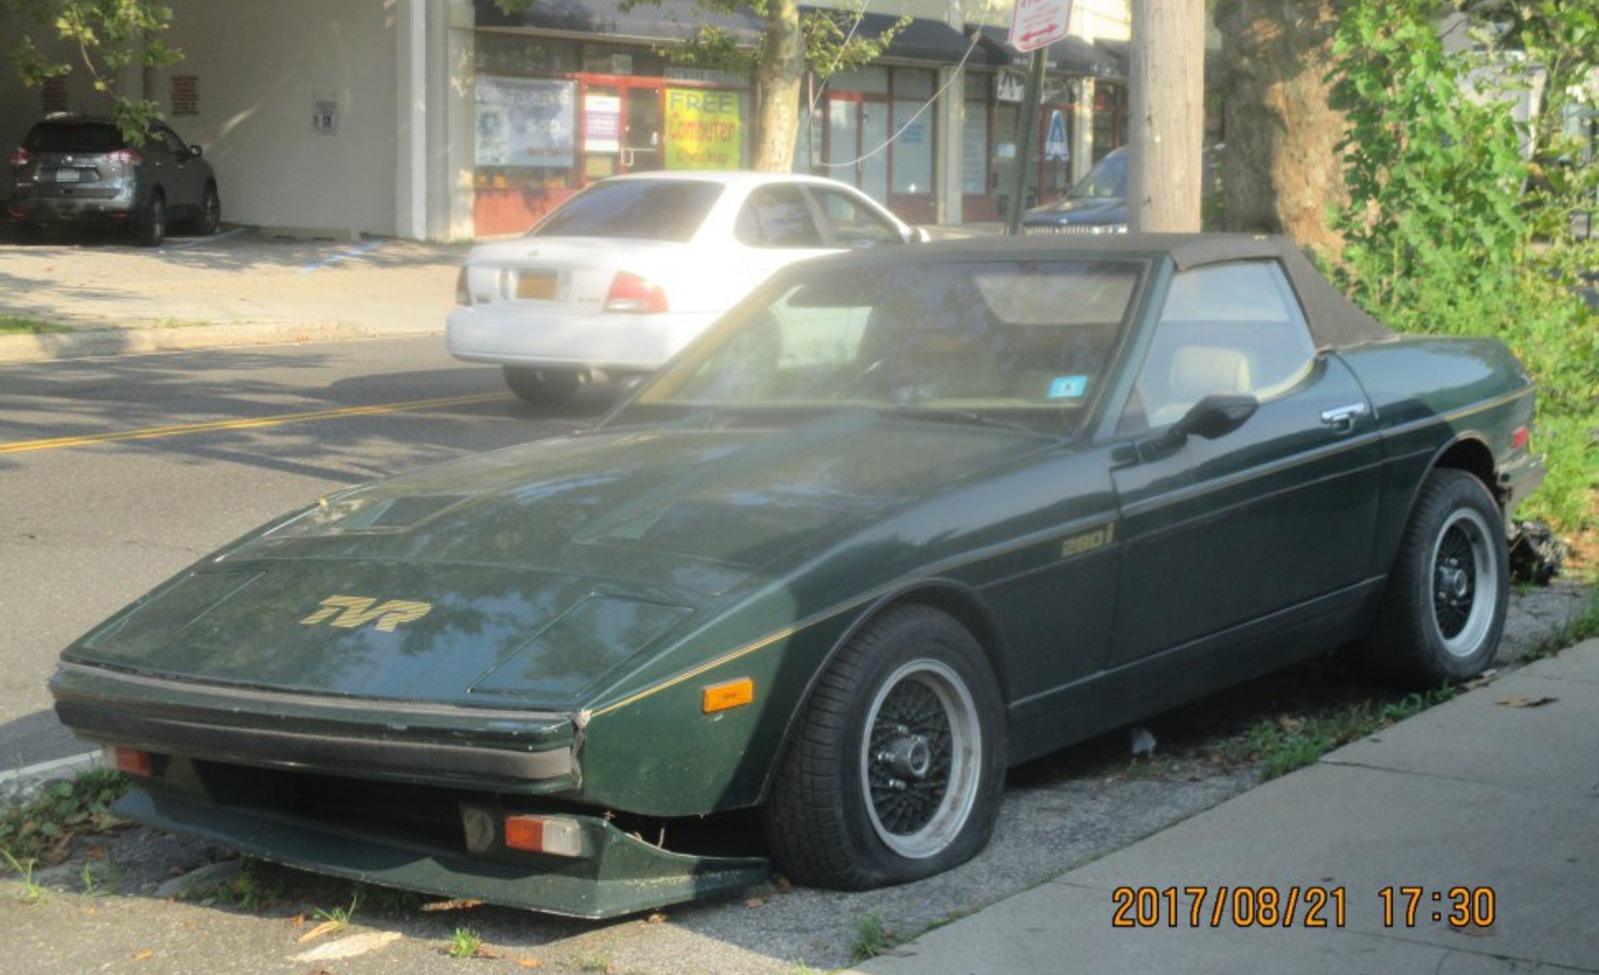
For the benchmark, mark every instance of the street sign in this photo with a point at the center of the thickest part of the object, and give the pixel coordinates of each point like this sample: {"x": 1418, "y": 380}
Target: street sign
{"x": 1055, "y": 146}
{"x": 1038, "y": 23}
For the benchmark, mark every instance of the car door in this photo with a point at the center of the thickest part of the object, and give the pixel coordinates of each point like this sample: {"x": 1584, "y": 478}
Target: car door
{"x": 1260, "y": 528}
{"x": 776, "y": 227}
{"x": 179, "y": 172}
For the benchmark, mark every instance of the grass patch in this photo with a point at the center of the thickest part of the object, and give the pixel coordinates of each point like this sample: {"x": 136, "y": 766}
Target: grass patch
{"x": 12, "y": 325}
{"x": 872, "y": 938}
{"x": 464, "y": 943}
{"x": 1285, "y": 743}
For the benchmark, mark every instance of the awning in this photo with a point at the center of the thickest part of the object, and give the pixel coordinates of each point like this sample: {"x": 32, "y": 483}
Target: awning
{"x": 1069, "y": 55}
{"x": 677, "y": 20}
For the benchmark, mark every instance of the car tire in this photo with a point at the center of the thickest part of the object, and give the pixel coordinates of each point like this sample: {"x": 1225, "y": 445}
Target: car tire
{"x": 895, "y": 767}
{"x": 151, "y": 228}
{"x": 210, "y": 217}
{"x": 544, "y": 387}
{"x": 1444, "y": 611}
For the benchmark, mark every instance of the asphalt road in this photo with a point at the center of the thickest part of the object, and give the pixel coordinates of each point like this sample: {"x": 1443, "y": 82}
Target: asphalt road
{"x": 117, "y": 472}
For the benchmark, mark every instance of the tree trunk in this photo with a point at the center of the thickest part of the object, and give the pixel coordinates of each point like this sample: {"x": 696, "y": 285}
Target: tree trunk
{"x": 1167, "y": 115}
{"x": 777, "y": 76}
{"x": 1280, "y": 169}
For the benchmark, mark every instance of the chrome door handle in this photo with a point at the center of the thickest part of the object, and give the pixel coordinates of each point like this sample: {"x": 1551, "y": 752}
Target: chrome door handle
{"x": 1342, "y": 418}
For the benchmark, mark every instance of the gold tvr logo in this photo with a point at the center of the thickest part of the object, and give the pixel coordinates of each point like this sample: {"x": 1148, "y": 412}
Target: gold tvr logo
{"x": 349, "y": 612}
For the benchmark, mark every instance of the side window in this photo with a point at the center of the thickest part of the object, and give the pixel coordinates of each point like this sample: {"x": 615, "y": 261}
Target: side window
{"x": 1231, "y": 328}
{"x": 851, "y": 222}
{"x": 777, "y": 216}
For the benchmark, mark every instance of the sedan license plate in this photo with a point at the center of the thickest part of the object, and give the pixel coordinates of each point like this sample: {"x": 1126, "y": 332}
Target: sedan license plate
{"x": 537, "y": 285}
{"x": 68, "y": 176}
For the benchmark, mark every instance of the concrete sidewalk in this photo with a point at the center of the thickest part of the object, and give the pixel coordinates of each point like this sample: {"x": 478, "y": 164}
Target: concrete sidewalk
{"x": 240, "y": 287}
{"x": 1496, "y": 792}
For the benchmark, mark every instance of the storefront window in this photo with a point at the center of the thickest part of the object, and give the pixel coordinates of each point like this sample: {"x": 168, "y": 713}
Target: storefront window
{"x": 913, "y": 147}
{"x": 974, "y": 135}
{"x": 518, "y": 54}
{"x": 612, "y": 59}
{"x": 526, "y": 131}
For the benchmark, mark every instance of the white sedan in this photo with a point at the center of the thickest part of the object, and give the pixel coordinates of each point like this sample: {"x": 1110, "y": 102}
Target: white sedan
{"x": 625, "y": 273}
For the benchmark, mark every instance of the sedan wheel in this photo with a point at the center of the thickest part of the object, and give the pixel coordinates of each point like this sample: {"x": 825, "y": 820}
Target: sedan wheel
{"x": 895, "y": 768}
{"x": 544, "y": 387}
{"x": 1445, "y": 607}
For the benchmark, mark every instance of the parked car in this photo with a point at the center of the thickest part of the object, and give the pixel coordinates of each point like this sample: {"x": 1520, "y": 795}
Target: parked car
{"x": 1096, "y": 204}
{"x": 626, "y": 272}
{"x": 897, "y": 521}
{"x": 75, "y": 171}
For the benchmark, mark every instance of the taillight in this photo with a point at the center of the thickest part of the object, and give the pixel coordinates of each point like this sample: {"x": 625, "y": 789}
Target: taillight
{"x": 463, "y": 296}
{"x": 1521, "y": 439}
{"x": 21, "y": 157}
{"x": 129, "y": 156}
{"x": 631, "y": 293}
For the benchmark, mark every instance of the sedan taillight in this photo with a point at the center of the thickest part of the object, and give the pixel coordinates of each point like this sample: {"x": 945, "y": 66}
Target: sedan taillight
{"x": 21, "y": 157}
{"x": 631, "y": 293}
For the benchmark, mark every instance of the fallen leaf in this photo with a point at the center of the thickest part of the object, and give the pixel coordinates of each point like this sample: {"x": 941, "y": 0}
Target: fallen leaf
{"x": 1520, "y": 701}
{"x": 1482, "y": 680}
{"x": 459, "y": 904}
{"x": 528, "y": 962}
{"x": 326, "y": 927}
{"x": 753, "y": 902}
{"x": 656, "y": 919}
{"x": 356, "y": 944}
{"x": 144, "y": 955}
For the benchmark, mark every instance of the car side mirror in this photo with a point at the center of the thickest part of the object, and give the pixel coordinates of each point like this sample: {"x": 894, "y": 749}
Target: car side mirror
{"x": 195, "y": 151}
{"x": 918, "y": 235}
{"x": 1212, "y": 417}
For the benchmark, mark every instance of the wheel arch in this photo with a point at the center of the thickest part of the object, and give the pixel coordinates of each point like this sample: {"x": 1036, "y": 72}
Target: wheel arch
{"x": 1470, "y": 453}
{"x": 960, "y": 602}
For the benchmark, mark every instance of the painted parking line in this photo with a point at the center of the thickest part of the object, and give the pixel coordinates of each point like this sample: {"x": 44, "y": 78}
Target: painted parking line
{"x": 345, "y": 255}
{"x": 181, "y": 429}
{"x": 197, "y": 241}
{"x": 58, "y": 766}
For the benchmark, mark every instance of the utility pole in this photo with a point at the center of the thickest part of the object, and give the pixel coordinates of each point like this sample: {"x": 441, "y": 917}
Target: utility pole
{"x": 1167, "y": 123}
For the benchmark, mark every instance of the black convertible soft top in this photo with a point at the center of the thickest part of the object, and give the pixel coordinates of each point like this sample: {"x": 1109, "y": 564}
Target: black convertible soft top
{"x": 1335, "y": 321}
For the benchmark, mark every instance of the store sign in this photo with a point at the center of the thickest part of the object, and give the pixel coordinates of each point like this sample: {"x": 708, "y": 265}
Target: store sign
{"x": 1039, "y": 23}
{"x": 704, "y": 129}
{"x": 525, "y": 122}
{"x": 602, "y": 123}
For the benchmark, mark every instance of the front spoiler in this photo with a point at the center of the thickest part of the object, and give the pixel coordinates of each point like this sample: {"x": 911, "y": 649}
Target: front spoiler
{"x": 619, "y": 874}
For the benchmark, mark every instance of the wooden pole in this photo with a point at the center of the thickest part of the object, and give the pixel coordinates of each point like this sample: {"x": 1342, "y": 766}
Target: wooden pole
{"x": 1166, "y": 128}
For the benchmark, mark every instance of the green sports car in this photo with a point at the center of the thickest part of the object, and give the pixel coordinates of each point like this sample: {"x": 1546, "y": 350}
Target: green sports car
{"x": 897, "y": 521}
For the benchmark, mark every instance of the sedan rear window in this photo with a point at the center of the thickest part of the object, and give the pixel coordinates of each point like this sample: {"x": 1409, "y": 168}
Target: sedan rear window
{"x": 634, "y": 209}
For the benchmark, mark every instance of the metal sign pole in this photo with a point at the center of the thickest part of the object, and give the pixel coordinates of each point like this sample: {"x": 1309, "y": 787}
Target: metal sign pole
{"x": 1024, "y": 148}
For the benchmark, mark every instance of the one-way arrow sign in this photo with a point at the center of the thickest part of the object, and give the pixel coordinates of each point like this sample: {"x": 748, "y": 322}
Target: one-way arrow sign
{"x": 1038, "y": 23}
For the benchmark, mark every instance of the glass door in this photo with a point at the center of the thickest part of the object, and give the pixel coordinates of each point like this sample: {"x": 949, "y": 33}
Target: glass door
{"x": 641, "y": 135}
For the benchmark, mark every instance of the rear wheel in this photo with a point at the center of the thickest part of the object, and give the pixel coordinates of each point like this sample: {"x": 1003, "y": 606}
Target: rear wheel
{"x": 896, "y": 767}
{"x": 1445, "y": 607}
{"x": 152, "y": 224}
{"x": 544, "y": 387}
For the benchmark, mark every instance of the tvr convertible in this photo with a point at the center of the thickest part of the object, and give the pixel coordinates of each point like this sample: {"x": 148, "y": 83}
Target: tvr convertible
{"x": 898, "y": 520}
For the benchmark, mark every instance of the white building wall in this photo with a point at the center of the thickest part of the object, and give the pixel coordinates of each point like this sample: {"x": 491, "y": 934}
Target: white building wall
{"x": 263, "y": 69}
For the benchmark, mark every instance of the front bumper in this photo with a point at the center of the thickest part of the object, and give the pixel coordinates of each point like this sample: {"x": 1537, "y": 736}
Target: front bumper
{"x": 617, "y": 874}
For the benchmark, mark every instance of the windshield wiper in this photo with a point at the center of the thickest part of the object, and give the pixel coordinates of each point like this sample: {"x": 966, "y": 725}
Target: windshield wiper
{"x": 936, "y": 414}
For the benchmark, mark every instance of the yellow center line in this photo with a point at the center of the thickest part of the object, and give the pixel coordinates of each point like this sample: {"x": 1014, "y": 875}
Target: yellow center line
{"x": 180, "y": 429}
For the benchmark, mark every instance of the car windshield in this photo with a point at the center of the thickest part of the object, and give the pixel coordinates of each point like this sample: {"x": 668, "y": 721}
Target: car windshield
{"x": 637, "y": 209}
{"x": 1107, "y": 180}
{"x": 1022, "y": 343}
{"x": 73, "y": 137}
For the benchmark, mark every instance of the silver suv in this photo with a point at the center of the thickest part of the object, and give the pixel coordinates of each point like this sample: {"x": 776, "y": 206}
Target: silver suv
{"x": 72, "y": 170}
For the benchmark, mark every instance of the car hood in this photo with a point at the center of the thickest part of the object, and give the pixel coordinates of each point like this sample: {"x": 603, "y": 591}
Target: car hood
{"x": 1087, "y": 210}
{"x": 523, "y": 577}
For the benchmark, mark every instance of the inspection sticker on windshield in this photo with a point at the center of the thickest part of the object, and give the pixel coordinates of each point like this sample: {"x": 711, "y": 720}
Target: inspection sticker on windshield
{"x": 1068, "y": 387}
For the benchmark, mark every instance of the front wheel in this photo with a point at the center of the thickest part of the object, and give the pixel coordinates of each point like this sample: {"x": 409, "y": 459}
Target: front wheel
{"x": 1445, "y": 607}
{"x": 895, "y": 769}
{"x": 544, "y": 387}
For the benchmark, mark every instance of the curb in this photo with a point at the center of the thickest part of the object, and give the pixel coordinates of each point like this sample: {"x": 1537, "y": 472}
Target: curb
{"x": 15, "y": 349}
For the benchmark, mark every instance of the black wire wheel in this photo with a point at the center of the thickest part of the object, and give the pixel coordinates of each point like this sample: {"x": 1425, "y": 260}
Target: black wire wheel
{"x": 543, "y": 386}
{"x": 895, "y": 768}
{"x": 1445, "y": 607}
